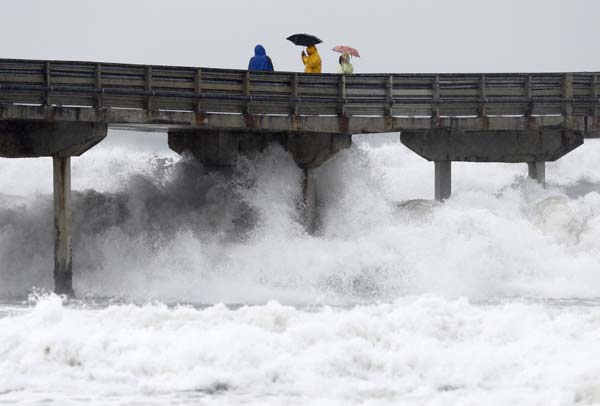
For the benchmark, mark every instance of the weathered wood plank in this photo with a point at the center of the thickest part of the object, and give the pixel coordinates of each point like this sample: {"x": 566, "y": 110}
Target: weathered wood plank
{"x": 353, "y": 93}
{"x": 22, "y": 66}
{"x": 21, "y": 97}
{"x": 73, "y": 81}
{"x": 265, "y": 89}
{"x": 38, "y": 78}
{"x": 175, "y": 85}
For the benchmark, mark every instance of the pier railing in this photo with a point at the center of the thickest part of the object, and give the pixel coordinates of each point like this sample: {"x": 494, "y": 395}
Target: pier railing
{"x": 122, "y": 86}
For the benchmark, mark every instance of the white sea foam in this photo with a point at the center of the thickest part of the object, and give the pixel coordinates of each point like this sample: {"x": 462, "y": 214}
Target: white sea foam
{"x": 150, "y": 226}
{"x": 417, "y": 350}
{"x": 154, "y": 226}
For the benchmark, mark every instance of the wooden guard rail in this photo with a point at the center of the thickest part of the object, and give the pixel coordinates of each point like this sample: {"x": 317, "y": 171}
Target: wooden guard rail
{"x": 122, "y": 86}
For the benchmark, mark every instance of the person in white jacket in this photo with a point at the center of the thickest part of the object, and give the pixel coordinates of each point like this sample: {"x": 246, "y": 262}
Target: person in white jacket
{"x": 345, "y": 67}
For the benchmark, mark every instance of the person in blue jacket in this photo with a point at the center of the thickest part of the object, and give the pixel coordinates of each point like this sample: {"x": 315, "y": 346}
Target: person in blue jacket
{"x": 260, "y": 61}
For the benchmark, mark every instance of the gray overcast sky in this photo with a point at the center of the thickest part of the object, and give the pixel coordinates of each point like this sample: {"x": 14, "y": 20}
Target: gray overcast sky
{"x": 392, "y": 35}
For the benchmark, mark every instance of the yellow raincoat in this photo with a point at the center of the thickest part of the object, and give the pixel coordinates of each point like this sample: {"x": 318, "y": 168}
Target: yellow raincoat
{"x": 312, "y": 61}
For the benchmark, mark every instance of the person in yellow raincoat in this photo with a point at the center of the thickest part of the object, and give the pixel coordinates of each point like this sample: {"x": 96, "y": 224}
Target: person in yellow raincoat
{"x": 312, "y": 61}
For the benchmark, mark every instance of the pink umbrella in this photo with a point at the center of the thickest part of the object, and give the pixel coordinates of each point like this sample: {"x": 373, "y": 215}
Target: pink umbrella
{"x": 343, "y": 49}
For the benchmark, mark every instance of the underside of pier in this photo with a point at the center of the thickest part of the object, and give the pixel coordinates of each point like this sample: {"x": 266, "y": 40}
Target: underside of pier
{"x": 534, "y": 147}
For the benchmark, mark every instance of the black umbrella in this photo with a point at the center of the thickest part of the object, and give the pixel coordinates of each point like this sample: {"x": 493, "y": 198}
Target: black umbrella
{"x": 304, "y": 39}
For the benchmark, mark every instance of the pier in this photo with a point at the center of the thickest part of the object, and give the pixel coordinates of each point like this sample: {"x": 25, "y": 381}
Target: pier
{"x": 61, "y": 109}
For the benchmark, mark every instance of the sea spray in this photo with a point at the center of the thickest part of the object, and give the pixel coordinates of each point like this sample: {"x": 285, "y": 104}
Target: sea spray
{"x": 165, "y": 227}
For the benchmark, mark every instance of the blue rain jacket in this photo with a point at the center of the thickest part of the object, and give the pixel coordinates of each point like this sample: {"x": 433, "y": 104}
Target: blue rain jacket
{"x": 260, "y": 61}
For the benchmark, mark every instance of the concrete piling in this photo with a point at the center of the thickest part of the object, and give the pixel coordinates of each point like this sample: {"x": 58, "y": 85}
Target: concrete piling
{"x": 535, "y": 147}
{"x": 537, "y": 171}
{"x": 443, "y": 180}
{"x": 28, "y": 138}
{"x": 63, "y": 270}
{"x": 218, "y": 149}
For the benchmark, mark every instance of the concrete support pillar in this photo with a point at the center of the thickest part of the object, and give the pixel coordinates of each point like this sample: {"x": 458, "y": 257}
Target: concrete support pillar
{"x": 219, "y": 148}
{"x": 59, "y": 140}
{"x": 63, "y": 271}
{"x": 32, "y": 139}
{"x": 537, "y": 171}
{"x": 443, "y": 180}
{"x": 309, "y": 200}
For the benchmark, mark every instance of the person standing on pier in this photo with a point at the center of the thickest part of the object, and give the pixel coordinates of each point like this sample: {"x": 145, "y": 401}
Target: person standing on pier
{"x": 346, "y": 67}
{"x": 312, "y": 61}
{"x": 260, "y": 61}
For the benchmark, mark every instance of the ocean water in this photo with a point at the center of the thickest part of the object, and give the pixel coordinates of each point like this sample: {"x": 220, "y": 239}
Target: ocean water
{"x": 197, "y": 287}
